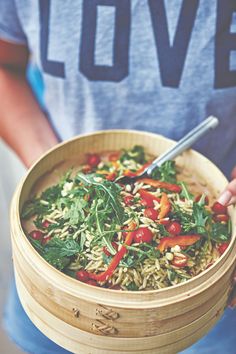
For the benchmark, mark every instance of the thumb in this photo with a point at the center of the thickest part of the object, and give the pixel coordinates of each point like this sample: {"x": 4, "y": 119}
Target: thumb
{"x": 233, "y": 173}
{"x": 228, "y": 197}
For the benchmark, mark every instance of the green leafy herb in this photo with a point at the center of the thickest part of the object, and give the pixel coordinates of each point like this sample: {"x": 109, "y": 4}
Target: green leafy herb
{"x": 166, "y": 172}
{"x": 51, "y": 194}
{"x": 35, "y": 207}
{"x": 185, "y": 192}
{"x": 197, "y": 222}
{"x": 110, "y": 194}
{"x": 220, "y": 232}
{"x": 132, "y": 287}
{"x": 136, "y": 153}
{"x": 57, "y": 252}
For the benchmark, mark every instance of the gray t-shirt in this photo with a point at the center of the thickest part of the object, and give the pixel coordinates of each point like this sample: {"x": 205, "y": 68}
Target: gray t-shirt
{"x": 157, "y": 65}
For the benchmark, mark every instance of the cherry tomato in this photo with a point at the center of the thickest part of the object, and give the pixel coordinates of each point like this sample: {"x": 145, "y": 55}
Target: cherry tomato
{"x": 114, "y": 156}
{"x": 180, "y": 260}
{"x": 46, "y": 223}
{"x": 45, "y": 240}
{"x": 82, "y": 275}
{"x": 174, "y": 228}
{"x": 106, "y": 251}
{"x": 219, "y": 208}
{"x": 222, "y": 247}
{"x": 36, "y": 235}
{"x": 151, "y": 213}
{"x": 143, "y": 234}
{"x": 221, "y": 217}
{"x": 93, "y": 160}
{"x": 128, "y": 200}
{"x": 206, "y": 199}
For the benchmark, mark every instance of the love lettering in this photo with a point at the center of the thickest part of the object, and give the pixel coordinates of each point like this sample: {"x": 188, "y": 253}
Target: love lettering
{"x": 171, "y": 57}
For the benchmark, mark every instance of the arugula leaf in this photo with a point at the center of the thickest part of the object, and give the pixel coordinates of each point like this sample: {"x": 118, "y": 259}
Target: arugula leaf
{"x": 197, "y": 222}
{"x": 110, "y": 196}
{"x": 166, "y": 172}
{"x": 185, "y": 192}
{"x": 220, "y": 232}
{"x": 201, "y": 218}
{"x": 51, "y": 194}
{"x": 62, "y": 248}
{"x": 34, "y": 207}
{"x": 136, "y": 153}
{"x": 57, "y": 252}
{"x": 75, "y": 213}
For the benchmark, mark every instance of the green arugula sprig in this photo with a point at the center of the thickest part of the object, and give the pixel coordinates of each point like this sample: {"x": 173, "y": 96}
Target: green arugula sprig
{"x": 106, "y": 191}
{"x": 136, "y": 153}
{"x": 166, "y": 172}
{"x": 58, "y": 252}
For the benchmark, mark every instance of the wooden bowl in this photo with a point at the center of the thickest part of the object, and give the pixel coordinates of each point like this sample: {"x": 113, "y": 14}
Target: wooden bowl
{"x": 86, "y": 319}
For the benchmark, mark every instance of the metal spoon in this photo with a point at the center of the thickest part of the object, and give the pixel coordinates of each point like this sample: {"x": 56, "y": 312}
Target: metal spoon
{"x": 188, "y": 140}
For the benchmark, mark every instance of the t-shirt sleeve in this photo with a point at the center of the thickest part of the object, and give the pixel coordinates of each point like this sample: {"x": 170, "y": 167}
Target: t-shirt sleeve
{"x": 10, "y": 26}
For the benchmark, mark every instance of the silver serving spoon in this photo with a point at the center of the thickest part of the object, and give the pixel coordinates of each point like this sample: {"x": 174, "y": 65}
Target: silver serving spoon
{"x": 188, "y": 140}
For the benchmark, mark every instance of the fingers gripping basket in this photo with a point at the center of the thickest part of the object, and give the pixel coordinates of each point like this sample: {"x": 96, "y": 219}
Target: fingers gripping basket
{"x": 86, "y": 319}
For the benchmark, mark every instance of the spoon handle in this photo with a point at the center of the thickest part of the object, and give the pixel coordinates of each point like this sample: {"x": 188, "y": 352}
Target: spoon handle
{"x": 187, "y": 141}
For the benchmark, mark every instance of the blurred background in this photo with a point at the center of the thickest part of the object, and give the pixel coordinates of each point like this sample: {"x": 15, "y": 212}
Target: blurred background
{"x": 11, "y": 171}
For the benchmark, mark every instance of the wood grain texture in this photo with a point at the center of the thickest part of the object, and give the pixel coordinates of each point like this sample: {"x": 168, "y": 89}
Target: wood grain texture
{"x": 86, "y": 319}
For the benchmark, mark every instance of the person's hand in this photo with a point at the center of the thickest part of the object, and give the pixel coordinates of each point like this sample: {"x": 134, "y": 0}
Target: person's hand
{"x": 228, "y": 196}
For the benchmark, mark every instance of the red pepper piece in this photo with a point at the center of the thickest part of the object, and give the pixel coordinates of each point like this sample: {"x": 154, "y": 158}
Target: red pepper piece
{"x": 160, "y": 184}
{"x": 165, "y": 206}
{"x": 147, "y": 199}
{"x": 116, "y": 259}
{"x": 151, "y": 213}
{"x": 181, "y": 240}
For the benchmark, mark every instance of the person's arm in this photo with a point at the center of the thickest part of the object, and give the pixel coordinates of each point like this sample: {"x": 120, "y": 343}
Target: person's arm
{"x": 23, "y": 125}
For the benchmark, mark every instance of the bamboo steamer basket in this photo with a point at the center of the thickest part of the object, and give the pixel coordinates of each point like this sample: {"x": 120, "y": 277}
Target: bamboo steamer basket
{"x": 91, "y": 320}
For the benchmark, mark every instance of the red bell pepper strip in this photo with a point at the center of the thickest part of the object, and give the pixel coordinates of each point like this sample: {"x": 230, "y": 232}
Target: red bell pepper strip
{"x": 165, "y": 206}
{"x": 148, "y": 198}
{"x": 181, "y": 240}
{"x": 116, "y": 259}
{"x": 160, "y": 184}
